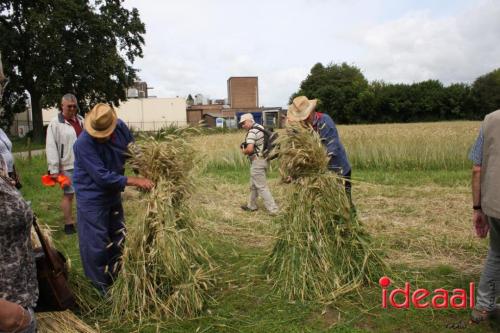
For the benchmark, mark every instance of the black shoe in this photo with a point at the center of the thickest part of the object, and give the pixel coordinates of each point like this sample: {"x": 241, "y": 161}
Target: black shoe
{"x": 69, "y": 229}
{"x": 247, "y": 209}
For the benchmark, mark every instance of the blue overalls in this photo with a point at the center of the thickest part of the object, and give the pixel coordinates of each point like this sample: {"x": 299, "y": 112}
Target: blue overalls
{"x": 99, "y": 180}
{"x": 339, "y": 163}
{"x": 324, "y": 125}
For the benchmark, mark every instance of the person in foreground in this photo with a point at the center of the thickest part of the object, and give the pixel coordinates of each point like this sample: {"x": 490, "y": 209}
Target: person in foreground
{"x": 100, "y": 154}
{"x": 18, "y": 281}
{"x": 485, "y": 155}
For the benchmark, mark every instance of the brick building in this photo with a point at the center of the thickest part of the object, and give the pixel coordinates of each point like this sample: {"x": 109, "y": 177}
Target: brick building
{"x": 243, "y": 97}
{"x": 243, "y": 92}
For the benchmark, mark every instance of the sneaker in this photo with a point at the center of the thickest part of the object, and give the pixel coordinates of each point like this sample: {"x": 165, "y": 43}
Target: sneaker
{"x": 248, "y": 209}
{"x": 69, "y": 229}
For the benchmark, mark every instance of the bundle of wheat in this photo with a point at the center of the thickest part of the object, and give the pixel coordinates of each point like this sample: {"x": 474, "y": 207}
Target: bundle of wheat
{"x": 46, "y": 232}
{"x": 322, "y": 249}
{"x": 165, "y": 272}
{"x": 65, "y": 321}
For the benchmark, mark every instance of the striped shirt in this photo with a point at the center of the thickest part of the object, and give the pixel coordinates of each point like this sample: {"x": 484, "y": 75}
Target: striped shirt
{"x": 476, "y": 152}
{"x": 255, "y": 137}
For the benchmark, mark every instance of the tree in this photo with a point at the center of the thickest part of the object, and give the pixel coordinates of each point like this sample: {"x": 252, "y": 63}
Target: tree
{"x": 3, "y": 79}
{"x": 52, "y": 47}
{"x": 485, "y": 94}
{"x": 337, "y": 87}
{"x": 190, "y": 100}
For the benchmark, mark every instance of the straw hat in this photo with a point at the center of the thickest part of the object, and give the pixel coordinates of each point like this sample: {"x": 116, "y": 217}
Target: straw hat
{"x": 100, "y": 122}
{"x": 246, "y": 116}
{"x": 301, "y": 108}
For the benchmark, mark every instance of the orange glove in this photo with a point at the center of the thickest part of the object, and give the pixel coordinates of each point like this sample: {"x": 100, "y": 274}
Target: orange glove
{"x": 62, "y": 180}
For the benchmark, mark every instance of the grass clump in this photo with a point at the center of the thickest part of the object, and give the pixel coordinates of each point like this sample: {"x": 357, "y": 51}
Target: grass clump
{"x": 322, "y": 249}
{"x": 165, "y": 272}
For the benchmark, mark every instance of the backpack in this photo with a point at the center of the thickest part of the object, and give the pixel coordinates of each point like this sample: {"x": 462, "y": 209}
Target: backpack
{"x": 270, "y": 142}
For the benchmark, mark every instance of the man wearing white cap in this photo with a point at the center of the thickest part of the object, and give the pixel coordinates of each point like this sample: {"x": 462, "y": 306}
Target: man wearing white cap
{"x": 253, "y": 147}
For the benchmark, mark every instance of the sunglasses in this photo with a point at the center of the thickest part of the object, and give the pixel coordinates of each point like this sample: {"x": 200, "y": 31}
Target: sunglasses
{"x": 71, "y": 106}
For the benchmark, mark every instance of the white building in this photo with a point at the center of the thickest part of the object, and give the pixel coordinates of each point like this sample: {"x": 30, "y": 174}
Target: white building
{"x": 146, "y": 114}
{"x": 151, "y": 114}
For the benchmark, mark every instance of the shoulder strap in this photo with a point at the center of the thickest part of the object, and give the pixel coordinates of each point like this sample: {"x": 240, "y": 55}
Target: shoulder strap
{"x": 51, "y": 261}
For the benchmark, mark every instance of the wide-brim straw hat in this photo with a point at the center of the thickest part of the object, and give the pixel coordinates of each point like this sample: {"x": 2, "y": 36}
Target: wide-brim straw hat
{"x": 301, "y": 108}
{"x": 100, "y": 122}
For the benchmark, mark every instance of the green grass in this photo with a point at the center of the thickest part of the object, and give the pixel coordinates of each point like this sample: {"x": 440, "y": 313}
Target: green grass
{"x": 22, "y": 144}
{"x": 243, "y": 300}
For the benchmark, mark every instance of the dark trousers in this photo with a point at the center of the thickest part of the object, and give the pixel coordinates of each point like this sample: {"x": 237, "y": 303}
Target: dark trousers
{"x": 347, "y": 184}
{"x": 101, "y": 233}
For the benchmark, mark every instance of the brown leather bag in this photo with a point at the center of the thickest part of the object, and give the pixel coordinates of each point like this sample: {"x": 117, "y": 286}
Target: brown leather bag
{"x": 52, "y": 273}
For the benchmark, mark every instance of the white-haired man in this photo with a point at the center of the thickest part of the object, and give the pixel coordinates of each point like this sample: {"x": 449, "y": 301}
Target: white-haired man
{"x": 253, "y": 147}
{"x": 62, "y": 133}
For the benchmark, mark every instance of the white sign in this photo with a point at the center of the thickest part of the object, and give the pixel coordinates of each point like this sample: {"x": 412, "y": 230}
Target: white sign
{"x": 219, "y": 122}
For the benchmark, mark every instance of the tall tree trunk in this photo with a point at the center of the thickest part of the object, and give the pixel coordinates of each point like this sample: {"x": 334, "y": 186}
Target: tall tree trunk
{"x": 2, "y": 81}
{"x": 36, "y": 111}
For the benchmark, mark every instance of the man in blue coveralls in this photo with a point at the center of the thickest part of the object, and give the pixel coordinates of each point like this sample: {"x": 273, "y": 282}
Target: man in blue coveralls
{"x": 303, "y": 109}
{"x": 100, "y": 154}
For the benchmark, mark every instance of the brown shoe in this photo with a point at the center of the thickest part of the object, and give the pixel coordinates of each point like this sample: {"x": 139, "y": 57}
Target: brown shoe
{"x": 69, "y": 229}
{"x": 478, "y": 315}
{"x": 248, "y": 209}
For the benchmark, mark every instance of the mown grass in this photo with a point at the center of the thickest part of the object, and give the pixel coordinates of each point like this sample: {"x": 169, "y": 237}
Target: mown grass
{"x": 418, "y": 215}
{"x": 25, "y": 144}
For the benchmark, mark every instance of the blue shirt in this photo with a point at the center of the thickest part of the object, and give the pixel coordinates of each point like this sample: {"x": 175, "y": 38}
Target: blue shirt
{"x": 476, "y": 153}
{"x": 98, "y": 176}
{"x": 324, "y": 125}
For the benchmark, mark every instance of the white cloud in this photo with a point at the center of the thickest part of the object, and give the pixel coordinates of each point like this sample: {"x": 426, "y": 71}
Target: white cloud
{"x": 419, "y": 47}
{"x": 194, "y": 46}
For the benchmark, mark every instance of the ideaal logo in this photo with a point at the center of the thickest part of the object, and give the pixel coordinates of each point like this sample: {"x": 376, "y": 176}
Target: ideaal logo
{"x": 423, "y": 298}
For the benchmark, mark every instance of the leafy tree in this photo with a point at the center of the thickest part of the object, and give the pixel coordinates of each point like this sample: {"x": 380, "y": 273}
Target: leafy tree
{"x": 337, "y": 87}
{"x": 485, "y": 94}
{"x": 52, "y": 47}
{"x": 345, "y": 94}
{"x": 190, "y": 100}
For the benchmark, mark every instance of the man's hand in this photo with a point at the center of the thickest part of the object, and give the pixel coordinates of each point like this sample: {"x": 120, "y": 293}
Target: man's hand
{"x": 248, "y": 150}
{"x": 480, "y": 223}
{"x": 140, "y": 182}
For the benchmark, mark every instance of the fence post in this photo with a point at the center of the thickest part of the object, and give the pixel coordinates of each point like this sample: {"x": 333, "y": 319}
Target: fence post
{"x": 29, "y": 149}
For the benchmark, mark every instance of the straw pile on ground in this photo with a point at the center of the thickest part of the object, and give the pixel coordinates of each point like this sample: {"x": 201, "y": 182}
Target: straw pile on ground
{"x": 65, "y": 321}
{"x": 165, "y": 272}
{"x": 322, "y": 249}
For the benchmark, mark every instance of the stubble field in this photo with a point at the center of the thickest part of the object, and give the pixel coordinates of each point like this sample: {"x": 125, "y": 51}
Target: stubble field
{"x": 411, "y": 189}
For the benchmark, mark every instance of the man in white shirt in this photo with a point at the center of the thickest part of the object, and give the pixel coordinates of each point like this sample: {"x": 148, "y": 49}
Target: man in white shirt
{"x": 62, "y": 133}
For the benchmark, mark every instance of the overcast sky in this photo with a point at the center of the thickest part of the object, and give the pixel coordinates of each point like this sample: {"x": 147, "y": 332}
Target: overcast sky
{"x": 194, "y": 46}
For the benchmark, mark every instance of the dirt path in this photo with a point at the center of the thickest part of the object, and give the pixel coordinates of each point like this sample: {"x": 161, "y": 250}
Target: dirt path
{"x": 24, "y": 154}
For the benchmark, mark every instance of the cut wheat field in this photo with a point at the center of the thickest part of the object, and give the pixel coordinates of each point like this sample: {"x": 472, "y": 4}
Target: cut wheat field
{"x": 411, "y": 190}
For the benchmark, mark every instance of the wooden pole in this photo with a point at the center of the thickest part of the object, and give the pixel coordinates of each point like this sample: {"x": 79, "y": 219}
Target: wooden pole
{"x": 29, "y": 149}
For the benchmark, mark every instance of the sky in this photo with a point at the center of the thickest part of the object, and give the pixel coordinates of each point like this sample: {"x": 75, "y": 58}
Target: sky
{"x": 194, "y": 46}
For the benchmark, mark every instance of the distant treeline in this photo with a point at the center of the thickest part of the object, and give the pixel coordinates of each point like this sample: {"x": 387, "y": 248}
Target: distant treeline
{"x": 348, "y": 97}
